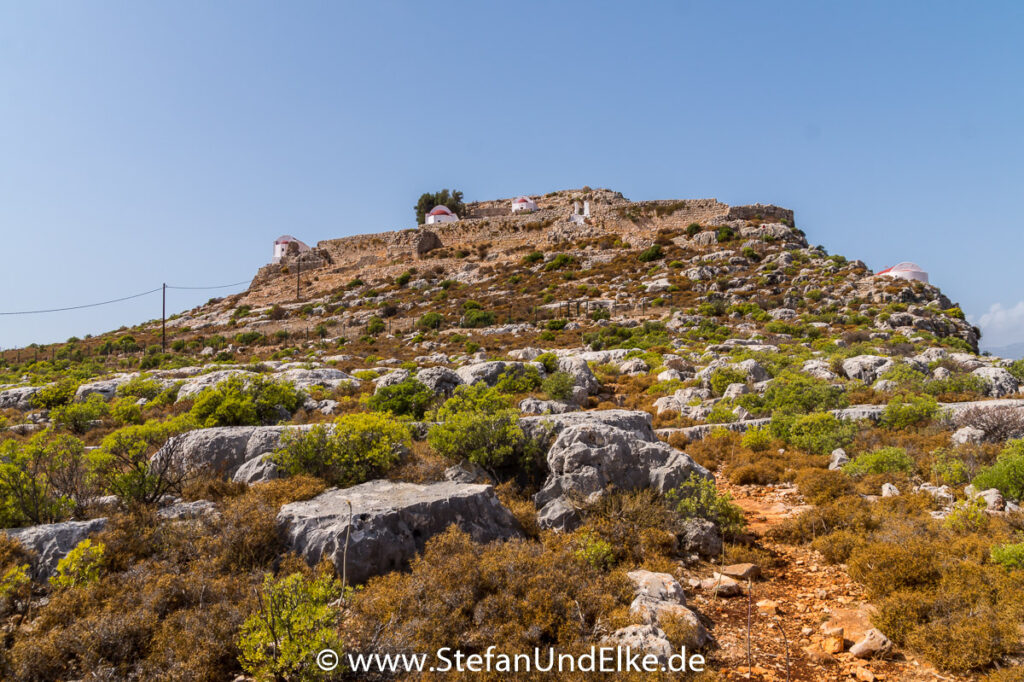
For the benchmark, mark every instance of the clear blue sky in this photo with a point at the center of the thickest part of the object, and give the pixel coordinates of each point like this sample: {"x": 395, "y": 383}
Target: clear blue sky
{"x": 143, "y": 142}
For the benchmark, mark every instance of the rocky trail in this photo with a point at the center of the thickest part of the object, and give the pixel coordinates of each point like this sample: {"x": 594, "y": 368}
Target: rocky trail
{"x": 798, "y": 599}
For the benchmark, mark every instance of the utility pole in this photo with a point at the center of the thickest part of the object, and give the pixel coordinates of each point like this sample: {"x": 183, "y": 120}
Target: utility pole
{"x": 163, "y": 323}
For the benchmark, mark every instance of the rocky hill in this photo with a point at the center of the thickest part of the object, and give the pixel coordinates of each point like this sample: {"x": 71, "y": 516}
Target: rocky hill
{"x": 663, "y": 424}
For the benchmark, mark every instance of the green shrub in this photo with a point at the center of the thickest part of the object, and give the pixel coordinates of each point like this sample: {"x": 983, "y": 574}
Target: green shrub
{"x": 820, "y": 433}
{"x": 125, "y": 411}
{"x": 905, "y": 411}
{"x": 431, "y": 320}
{"x": 600, "y": 314}
{"x": 78, "y": 417}
{"x": 549, "y": 361}
{"x": 882, "y": 461}
{"x": 949, "y": 468}
{"x": 43, "y": 480}
{"x": 594, "y": 550}
{"x": 698, "y": 497}
{"x": 721, "y": 414}
{"x": 355, "y": 449}
{"x": 692, "y": 229}
{"x": 295, "y": 620}
{"x": 722, "y": 377}
{"x": 1016, "y": 368}
{"x": 512, "y": 382}
{"x": 532, "y": 257}
{"x": 475, "y": 318}
{"x": 1007, "y": 474}
{"x": 59, "y": 393}
{"x": 140, "y": 387}
{"x": 724, "y": 234}
{"x": 122, "y": 463}
{"x": 403, "y": 278}
{"x": 558, "y": 262}
{"x": 478, "y": 424}
{"x": 409, "y": 397}
{"x": 757, "y": 439}
{"x": 375, "y": 326}
{"x": 248, "y": 401}
{"x": 556, "y": 325}
{"x": 249, "y": 338}
{"x": 81, "y": 566}
{"x": 651, "y": 253}
{"x": 794, "y": 393}
{"x": 558, "y": 386}
{"x": 1009, "y": 555}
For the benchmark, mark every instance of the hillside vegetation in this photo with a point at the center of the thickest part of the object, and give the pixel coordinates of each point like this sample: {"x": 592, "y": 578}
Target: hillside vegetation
{"x": 523, "y": 432}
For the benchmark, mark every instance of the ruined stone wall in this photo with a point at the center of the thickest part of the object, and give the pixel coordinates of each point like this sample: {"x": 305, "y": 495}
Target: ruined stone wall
{"x": 766, "y": 212}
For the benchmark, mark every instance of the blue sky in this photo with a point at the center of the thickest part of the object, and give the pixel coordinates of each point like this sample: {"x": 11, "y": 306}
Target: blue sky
{"x": 171, "y": 142}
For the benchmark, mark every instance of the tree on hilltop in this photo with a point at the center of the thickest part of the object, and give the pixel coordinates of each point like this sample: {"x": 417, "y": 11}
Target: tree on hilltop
{"x": 428, "y": 200}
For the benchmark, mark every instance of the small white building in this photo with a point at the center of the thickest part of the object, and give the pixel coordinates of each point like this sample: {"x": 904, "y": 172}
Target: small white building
{"x": 577, "y": 217}
{"x": 287, "y": 245}
{"x": 523, "y": 205}
{"x": 905, "y": 270}
{"x": 441, "y": 214}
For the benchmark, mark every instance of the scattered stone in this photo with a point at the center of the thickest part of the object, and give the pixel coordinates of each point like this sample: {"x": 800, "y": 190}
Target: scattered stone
{"x": 701, "y": 537}
{"x": 874, "y": 643}
{"x": 742, "y": 571}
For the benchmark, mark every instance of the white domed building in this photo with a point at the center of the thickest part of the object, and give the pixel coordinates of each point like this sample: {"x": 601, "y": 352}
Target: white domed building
{"x": 523, "y": 204}
{"x": 287, "y": 245}
{"x": 441, "y": 214}
{"x": 905, "y": 270}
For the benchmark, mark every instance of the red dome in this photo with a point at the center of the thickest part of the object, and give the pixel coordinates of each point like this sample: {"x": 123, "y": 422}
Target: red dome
{"x": 440, "y": 210}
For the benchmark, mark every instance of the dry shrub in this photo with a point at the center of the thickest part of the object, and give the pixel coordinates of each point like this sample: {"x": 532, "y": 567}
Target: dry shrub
{"x": 637, "y": 524}
{"x": 422, "y": 465}
{"x": 155, "y": 618}
{"x": 999, "y": 423}
{"x": 837, "y": 547}
{"x": 521, "y": 506}
{"x": 845, "y": 513}
{"x": 514, "y": 595}
{"x": 759, "y": 473}
{"x": 714, "y": 449}
{"x": 820, "y": 486}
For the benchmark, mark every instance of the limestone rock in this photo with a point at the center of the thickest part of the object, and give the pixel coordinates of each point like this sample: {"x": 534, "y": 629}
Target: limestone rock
{"x": 389, "y": 522}
{"x": 874, "y": 643}
{"x": 440, "y": 380}
{"x": 587, "y": 458}
{"x": 51, "y": 542}
{"x": 998, "y": 381}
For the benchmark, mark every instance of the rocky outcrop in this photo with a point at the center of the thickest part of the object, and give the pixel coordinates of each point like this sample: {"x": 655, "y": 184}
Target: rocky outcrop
{"x": 634, "y": 421}
{"x": 489, "y": 372}
{"x": 440, "y": 380}
{"x": 660, "y": 596}
{"x": 222, "y": 450}
{"x": 588, "y": 458}
{"x": 18, "y": 398}
{"x": 51, "y": 542}
{"x": 386, "y": 523}
{"x": 998, "y": 381}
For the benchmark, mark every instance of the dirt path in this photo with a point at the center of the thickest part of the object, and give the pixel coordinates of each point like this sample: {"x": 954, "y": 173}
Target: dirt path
{"x": 804, "y": 592}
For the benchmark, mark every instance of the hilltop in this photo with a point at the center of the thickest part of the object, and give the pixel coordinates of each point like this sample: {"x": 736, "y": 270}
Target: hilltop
{"x": 599, "y": 423}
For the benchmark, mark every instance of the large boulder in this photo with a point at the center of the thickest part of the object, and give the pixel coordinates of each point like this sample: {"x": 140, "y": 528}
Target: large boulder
{"x": 18, "y": 398}
{"x": 327, "y": 377}
{"x": 440, "y": 380}
{"x": 386, "y": 523}
{"x": 579, "y": 370}
{"x": 998, "y": 381}
{"x": 634, "y": 421}
{"x": 587, "y": 459}
{"x": 866, "y": 367}
{"x": 221, "y": 450}
{"x": 488, "y": 372}
{"x": 51, "y": 542}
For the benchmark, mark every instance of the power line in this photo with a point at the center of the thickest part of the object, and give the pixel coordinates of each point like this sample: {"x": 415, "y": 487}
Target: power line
{"x": 79, "y": 307}
{"x": 115, "y": 300}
